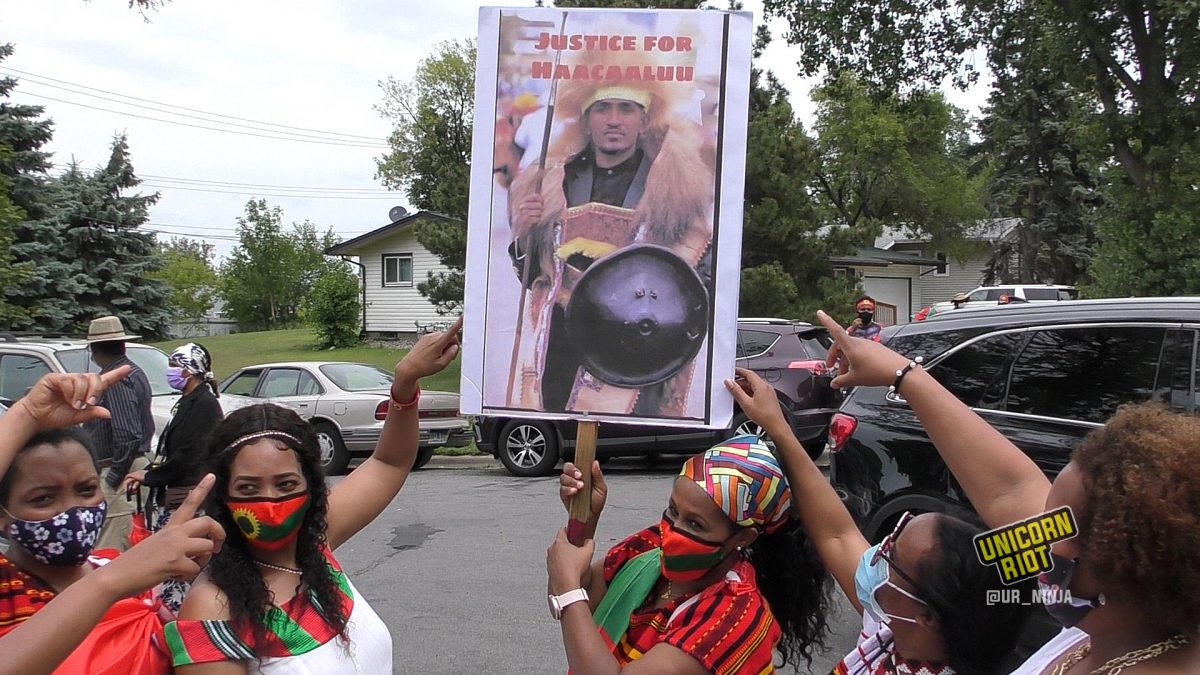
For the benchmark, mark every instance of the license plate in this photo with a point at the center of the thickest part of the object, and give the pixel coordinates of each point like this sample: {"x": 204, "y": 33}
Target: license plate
{"x": 438, "y": 436}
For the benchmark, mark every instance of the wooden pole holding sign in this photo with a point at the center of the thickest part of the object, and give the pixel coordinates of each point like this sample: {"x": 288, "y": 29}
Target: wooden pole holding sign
{"x": 581, "y": 504}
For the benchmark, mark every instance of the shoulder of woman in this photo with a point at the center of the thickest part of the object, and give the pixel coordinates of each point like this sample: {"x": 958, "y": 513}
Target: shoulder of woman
{"x": 205, "y": 601}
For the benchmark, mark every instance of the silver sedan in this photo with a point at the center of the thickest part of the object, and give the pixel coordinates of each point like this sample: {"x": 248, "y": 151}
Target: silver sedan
{"x": 347, "y": 404}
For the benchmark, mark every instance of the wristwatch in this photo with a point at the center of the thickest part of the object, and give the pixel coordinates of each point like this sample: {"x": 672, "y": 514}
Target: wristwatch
{"x": 559, "y": 602}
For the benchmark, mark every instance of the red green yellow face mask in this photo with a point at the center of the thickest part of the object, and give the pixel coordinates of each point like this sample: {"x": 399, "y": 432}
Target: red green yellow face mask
{"x": 686, "y": 557}
{"x": 269, "y": 524}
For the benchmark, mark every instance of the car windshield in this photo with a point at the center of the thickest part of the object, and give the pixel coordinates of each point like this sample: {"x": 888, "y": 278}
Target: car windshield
{"x": 357, "y": 377}
{"x": 152, "y": 361}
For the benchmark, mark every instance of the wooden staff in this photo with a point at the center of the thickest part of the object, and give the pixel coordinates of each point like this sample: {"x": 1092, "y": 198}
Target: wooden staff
{"x": 581, "y": 504}
{"x": 550, "y": 99}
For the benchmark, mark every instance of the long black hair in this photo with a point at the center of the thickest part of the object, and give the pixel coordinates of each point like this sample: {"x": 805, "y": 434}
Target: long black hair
{"x": 793, "y": 580}
{"x": 978, "y": 634}
{"x": 233, "y": 569}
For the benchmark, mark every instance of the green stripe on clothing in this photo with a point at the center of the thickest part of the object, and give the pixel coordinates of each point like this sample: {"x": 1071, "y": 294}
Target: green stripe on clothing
{"x": 179, "y": 653}
{"x": 293, "y": 636}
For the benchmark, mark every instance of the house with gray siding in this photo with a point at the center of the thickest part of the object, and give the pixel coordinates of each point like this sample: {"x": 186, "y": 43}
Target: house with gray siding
{"x": 905, "y": 273}
{"x": 391, "y": 263}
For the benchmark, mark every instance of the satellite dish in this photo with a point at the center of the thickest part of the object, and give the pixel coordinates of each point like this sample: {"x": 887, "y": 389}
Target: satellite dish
{"x": 397, "y": 212}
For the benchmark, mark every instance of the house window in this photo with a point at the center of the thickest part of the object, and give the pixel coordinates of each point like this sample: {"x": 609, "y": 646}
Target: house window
{"x": 397, "y": 269}
{"x": 840, "y": 272}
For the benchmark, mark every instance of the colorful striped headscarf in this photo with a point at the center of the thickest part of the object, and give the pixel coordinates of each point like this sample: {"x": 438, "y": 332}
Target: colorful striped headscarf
{"x": 745, "y": 480}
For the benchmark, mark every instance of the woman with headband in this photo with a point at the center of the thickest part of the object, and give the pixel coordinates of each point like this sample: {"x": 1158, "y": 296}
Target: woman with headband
{"x": 723, "y": 580}
{"x": 276, "y": 600}
{"x": 182, "y": 446}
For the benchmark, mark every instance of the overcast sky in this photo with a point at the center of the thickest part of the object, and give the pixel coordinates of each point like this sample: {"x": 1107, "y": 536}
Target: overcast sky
{"x": 311, "y": 65}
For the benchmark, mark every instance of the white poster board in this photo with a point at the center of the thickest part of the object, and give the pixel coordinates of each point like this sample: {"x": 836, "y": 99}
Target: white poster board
{"x": 604, "y": 234}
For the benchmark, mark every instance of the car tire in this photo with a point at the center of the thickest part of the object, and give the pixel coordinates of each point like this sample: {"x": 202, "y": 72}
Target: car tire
{"x": 331, "y": 450}
{"x": 423, "y": 457}
{"x": 528, "y": 448}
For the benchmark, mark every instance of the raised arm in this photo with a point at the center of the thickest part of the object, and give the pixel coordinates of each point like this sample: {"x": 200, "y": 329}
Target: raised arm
{"x": 1001, "y": 482}
{"x": 366, "y": 492}
{"x": 828, "y": 524}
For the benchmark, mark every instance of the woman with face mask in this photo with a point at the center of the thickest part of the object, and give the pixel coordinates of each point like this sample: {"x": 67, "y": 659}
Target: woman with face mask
{"x": 65, "y": 607}
{"x": 182, "y": 446}
{"x": 276, "y": 600}
{"x": 921, "y": 591}
{"x": 1133, "y": 569}
{"x": 722, "y": 581}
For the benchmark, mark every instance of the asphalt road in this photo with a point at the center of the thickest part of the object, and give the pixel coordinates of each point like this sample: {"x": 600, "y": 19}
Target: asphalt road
{"x": 456, "y": 566}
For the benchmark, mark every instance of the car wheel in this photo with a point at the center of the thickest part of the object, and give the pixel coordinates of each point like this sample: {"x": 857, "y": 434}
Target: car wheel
{"x": 331, "y": 450}
{"x": 423, "y": 457}
{"x": 528, "y": 448}
{"x": 742, "y": 425}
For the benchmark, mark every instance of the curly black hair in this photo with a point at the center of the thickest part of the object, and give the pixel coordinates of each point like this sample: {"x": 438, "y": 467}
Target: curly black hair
{"x": 793, "y": 580}
{"x": 1140, "y": 525}
{"x": 979, "y": 635}
{"x": 233, "y": 569}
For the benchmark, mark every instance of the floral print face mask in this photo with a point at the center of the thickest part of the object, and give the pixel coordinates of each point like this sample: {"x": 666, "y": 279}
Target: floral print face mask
{"x": 64, "y": 540}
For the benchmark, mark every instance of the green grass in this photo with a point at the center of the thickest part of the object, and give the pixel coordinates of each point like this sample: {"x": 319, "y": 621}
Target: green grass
{"x": 458, "y": 452}
{"x": 231, "y": 352}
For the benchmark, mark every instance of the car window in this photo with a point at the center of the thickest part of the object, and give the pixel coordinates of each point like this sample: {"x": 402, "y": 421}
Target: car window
{"x": 280, "y": 382}
{"x": 993, "y": 294}
{"x": 152, "y": 362}
{"x": 1042, "y": 294}
{"x": 931, "y": 345}
{"x": 309, "y": 385}
{"x": 1085, "y": 373}
{"x": 242, "y": 384}
{"x": 357, "y": 377}
{"x": 1068, "y": 294}
{"x": 979, "y": 296}
{"x": 755, "y": 342}
{"x": 976, "y": 374}
{"x": 1174, "y": 386}
{"x": 816, "y": 343}
{"x": 18, "y": 373}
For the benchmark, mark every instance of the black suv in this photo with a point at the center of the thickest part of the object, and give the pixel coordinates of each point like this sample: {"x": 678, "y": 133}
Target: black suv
{"x": 788, "y": 354}
{"x": 1043, "y": 375}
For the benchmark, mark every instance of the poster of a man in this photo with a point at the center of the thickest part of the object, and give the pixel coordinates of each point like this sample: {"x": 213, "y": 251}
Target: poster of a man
{"x": 616, "y": 141}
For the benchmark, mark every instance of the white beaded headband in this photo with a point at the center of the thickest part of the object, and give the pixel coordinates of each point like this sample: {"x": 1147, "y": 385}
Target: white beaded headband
{"x": 263, "y": 434}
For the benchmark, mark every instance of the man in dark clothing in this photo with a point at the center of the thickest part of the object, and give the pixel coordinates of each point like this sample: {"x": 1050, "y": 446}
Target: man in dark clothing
{"x": 865, "y": 325}
{"x": 613, "y": 169}
{"x": 122, "y": 441}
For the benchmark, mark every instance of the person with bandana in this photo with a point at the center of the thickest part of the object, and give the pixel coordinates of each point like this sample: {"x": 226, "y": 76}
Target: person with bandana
{"x": 921, "y": 591}
{"x": 182, "y": 446}
{"x": 275, "y": 600}
{"x": 66, "y": 606}
{"x": 1132, "y": 486}
{"x": 864, "y": 324}
{"x": 723, "y": 582}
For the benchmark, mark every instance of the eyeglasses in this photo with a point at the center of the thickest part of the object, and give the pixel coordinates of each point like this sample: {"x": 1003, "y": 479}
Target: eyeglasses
{"x": 884, "y": 552}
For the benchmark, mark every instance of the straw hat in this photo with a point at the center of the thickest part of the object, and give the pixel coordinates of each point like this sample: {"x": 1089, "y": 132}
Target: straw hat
{"x": 108, "y": 329}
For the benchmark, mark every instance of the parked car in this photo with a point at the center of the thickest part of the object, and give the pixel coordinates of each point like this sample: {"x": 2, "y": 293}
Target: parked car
{"x": 990, "y": 296}
{"x": 24, "y": 359}
{"x": 1044, "y": 376}
{"x": 789, "y": 354}
{"x": 347, "y": 404}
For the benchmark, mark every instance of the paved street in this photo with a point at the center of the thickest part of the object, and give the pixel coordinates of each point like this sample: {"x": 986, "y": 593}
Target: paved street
{"x": 456, "y": 567}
